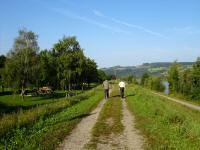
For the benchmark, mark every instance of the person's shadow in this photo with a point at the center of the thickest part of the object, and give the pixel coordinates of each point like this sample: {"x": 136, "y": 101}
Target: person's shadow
{"x": 129, "y": 95}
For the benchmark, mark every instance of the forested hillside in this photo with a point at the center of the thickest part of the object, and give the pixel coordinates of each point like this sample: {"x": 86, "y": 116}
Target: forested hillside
{"x": 157, "y": 68}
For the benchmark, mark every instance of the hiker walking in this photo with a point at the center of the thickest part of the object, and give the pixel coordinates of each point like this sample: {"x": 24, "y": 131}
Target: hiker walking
{"x": 122, "y": 88}
{"x": 106, "y": 89}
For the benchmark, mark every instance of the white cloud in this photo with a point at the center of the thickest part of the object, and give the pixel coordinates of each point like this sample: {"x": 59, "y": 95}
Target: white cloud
{"x": 100, "y": 14}
{"x": 187, "y": 30}
{"x": 72, "y": 15}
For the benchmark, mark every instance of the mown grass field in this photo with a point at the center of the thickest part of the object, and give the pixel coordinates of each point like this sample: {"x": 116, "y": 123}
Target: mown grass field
{"x": 165, "y": 124}
{"x": 10, "y": 102}
{"x": 44, "y": 127}
{"x": 13, "y": 102}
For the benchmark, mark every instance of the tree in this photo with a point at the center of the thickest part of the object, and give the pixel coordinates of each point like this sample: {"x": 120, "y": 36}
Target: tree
{"x": 145, "y": 76}
{"x": 47, "y": 76}
{"x": 195, "y": 91}
{"x": 69, "y": 58}
{"x": 157, "y": 84}
{"x": 2, "y": 65}
{"x": 91, "y": 72}
{"x": 173, "y": 77}
{"x": 154, "y": 83}
{"x": 22, "y": 59}
{"x": 101, "y": 75}
{"x": 185, "y": 82}
{"x": 66, "y": 44}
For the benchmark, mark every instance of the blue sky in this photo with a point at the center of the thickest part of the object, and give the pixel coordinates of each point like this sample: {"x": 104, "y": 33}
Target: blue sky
{"x": 113, "y": 32}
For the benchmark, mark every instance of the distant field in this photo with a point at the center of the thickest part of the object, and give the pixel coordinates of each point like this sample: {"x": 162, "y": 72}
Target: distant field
{"x": 166, "y": 125}
{"x": 153, "y": 70}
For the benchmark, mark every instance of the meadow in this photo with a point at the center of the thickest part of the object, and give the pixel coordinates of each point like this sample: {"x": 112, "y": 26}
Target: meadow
{"x": 45, "y": 126}
{"x": 10, "y": 102}
{"x": 165, "y": 124}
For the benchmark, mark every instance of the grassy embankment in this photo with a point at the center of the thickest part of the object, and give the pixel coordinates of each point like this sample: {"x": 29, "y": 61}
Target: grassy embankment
{"x": 166, "y": 124}
{"x": 184, "y": 98}
{"x": 44, "y": 127}
{"x": 109, "y": 121}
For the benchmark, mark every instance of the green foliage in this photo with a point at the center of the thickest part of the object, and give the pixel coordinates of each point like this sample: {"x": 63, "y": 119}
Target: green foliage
{"x": 144, "y": 78}
{"x": 186, "y": 82}
{"x": 2, "y": 65}
{"x": 173, "y": 77}
{"x": 130, "y": 79}
{"x": 101, "y": 75}
{"x": 47, "y": 74}
{"x": 63, "y": 67}
{"x": 195, "y": 89}
{"x": 74, "y": 68}
{"x": 21, "y": 61}
{"x": 2, "y": 61}
{"x": 154, "y": 83}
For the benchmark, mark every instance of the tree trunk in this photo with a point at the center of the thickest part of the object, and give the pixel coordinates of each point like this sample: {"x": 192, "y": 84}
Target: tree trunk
{"x": 82, "y": 88}
{"x": 22, "y": 91}
{"x": 2, "y": 88}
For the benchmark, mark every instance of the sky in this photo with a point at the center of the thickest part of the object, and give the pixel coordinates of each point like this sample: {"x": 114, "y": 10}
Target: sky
{"x": 112, "y": 32}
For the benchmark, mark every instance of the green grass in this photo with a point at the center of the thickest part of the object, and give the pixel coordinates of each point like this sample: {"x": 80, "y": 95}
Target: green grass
{"x": 109, "y": 121}
{"x": 48, "y": 132}
{"x": 157, "y": 69}
{"x": 10, "y": 103}
{"x": 14, "y": 102}
{"x": 166, "y": 125}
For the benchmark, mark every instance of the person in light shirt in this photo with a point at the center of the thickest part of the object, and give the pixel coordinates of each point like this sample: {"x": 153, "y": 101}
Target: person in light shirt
{"x": 122, "y": 88}
{"x": 106, "y": 87}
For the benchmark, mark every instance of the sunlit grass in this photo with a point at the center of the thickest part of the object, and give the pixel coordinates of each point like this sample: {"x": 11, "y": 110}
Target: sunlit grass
{"x": 166, "y": 125}
{"x": 21, "y": 129}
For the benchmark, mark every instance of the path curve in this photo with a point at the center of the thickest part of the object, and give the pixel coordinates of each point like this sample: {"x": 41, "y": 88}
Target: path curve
{"x": 192, "y": 106}
{"x": 134, "y": 140}
{"x": 81, "y": 134}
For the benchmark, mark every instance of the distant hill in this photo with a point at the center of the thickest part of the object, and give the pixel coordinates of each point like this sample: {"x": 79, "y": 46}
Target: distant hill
{"x": 157, "y": 68}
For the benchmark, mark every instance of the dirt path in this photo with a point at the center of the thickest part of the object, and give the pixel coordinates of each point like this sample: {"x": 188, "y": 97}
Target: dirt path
{"x": 192, "y": 106}
{"x": 129, "y": 139}
{"x": 81, "y": 134}
{"x": 134, "y": 141}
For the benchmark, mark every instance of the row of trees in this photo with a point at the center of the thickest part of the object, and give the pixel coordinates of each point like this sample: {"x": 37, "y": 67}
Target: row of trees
{"x": 130, "y": 79}
{"x": 185, "y": 81}
{"x": 64, "y": 66}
